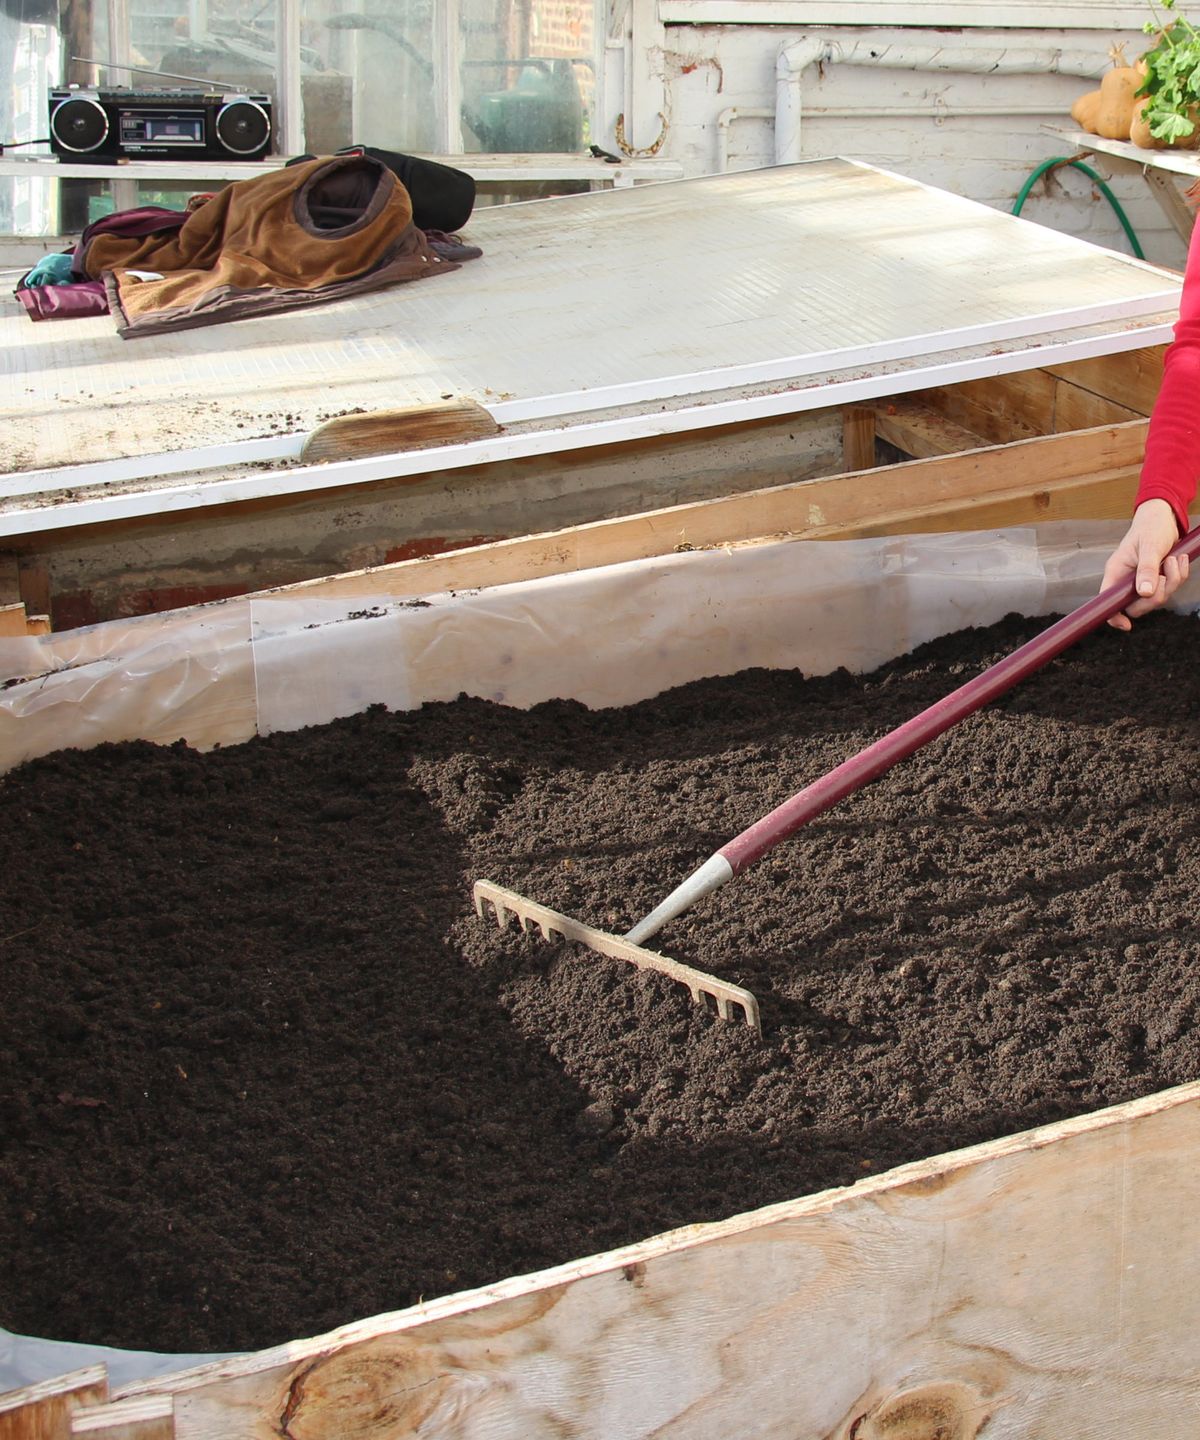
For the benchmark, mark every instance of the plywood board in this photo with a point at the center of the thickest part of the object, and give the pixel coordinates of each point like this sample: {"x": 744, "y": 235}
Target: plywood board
{"x": 1031, "y": 1286}
{"x": 44, "y": 1411}
{"x": 145, "y": 1417}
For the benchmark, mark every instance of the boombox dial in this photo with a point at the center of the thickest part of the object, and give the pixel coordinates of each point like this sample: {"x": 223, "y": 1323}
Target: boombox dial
{"x": 243, "y": 127}
{"x": 105, "y": 125}
{"x": 80, "y": 125}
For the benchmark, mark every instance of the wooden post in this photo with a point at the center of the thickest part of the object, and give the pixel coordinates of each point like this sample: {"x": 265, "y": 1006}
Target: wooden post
{"x": 858, "y": 437}
{"x": 12, "y": 621}
{"x": 10, "y": 580}
{"x": 33, "y": 581}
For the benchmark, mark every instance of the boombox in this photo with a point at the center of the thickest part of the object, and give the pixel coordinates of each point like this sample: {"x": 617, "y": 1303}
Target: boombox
{"x": 104, "y": 125}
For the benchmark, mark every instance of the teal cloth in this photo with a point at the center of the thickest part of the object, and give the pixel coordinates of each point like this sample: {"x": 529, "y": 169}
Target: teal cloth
{"x": 51, "y": 270}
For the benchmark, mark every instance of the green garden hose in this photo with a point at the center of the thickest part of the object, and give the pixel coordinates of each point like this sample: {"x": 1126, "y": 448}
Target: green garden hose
{"x": 1098, "y": 180}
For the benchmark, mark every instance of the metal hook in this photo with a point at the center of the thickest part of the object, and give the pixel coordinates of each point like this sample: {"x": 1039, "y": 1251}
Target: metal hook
{"x": 628, "y": 150}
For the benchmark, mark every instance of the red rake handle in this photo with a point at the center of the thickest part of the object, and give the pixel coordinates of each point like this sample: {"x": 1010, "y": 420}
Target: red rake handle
{"x": 898, "y": 744}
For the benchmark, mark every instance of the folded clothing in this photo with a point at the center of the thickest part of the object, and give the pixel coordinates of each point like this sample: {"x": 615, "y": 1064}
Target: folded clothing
{"x": 51, "y": 270}
{"x": 63, "y": 302}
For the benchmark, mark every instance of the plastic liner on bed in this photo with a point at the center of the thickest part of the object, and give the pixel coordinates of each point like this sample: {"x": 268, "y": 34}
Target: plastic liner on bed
{"x": 220, "y": 673}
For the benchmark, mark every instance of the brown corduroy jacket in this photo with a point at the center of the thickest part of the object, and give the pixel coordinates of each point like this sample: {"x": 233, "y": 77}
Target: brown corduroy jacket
{"x": 303, "y": 235}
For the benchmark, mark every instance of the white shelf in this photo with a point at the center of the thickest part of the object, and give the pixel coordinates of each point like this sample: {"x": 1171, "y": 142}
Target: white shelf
{"x": 482, "y": 167}
{"x": 1162, "y": 170}
{"x": 1178, "y": 162}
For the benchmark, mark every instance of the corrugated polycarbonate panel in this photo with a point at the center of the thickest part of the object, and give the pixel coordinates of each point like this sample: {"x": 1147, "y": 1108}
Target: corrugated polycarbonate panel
{"x": 618, "y": 297}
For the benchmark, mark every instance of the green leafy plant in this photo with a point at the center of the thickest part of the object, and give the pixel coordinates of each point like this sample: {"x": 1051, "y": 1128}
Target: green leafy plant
{"x": 1172, "y": 76}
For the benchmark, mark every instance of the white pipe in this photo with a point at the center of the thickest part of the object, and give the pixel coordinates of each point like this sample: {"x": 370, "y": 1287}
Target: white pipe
{"x": 447, "y": 84}
{"x": 289, "y": 94}
{"x": 119, "y": 52}
{"x": 725, "y": 120}
{"x": 794, "y": 59}
{"x": 935, "y": 111}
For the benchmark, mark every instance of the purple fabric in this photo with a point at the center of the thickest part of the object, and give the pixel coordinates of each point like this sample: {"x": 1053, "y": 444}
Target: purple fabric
{"x": 64, "y": 302}
{"x": 88, "y": 297}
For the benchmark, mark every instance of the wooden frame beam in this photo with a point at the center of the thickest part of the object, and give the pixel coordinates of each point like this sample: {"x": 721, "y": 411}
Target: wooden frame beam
{"x": 1090, "y": 474}
{"x": 922, "y": 431}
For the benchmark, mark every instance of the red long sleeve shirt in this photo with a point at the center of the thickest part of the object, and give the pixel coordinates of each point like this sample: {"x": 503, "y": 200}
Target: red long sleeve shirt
{"x": 1172, "y": 462}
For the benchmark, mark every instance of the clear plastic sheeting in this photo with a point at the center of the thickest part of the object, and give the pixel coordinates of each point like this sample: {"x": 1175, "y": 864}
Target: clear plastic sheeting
{"x": 356, "y": 654}
{"x": 610, "y": 636}
{"x": 25, "y": 1360}
{"x": 160, "y": 677}
{"x": 607, "y": 637}
{"x": 618, "y": 634}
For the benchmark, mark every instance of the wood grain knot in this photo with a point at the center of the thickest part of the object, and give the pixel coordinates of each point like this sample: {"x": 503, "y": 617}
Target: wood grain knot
{"x": 381, "y": 1390}
{"x": 947, "y": 1411}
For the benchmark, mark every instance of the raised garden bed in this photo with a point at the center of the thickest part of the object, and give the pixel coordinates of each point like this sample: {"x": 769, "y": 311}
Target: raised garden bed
{"x": 263, "y": 1073}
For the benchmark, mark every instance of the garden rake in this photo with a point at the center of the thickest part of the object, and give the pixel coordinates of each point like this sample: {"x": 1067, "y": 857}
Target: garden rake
{"x": 851, "y": 775}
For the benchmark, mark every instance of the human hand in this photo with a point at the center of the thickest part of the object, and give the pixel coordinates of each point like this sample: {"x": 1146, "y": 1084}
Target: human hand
{"x": 1142, "y": 555}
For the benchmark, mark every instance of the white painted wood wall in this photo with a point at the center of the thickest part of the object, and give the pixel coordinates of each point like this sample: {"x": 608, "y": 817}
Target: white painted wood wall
{"x": 696, "y": 74}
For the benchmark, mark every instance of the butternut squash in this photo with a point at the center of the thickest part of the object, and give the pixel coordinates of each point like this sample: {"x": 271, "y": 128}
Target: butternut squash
{"x": 1139, "y": 128}
{"x": 1085, "y": 110}
{"x": 1114, "y": 113}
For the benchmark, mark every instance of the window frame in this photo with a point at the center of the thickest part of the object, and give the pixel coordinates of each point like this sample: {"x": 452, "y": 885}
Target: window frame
{"x": 905, "y": 14}
{"x": 288, "y": 112}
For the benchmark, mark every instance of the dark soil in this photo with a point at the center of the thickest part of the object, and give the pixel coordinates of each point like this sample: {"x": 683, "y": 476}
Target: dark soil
{"x": 262, "y": 1071}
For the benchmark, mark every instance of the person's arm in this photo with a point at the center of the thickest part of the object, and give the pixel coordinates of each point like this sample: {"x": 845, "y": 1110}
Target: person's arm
{"x": 1171, "y": 466}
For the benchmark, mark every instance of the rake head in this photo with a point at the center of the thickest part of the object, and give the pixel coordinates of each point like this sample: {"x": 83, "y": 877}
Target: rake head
{"x": 727, "y": 999}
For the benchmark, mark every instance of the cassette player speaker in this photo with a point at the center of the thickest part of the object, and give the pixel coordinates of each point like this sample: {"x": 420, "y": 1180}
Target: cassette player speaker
{"x": 105, "y": 125}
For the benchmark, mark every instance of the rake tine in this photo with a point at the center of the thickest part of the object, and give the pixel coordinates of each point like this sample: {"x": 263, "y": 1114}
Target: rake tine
{"x": 728, "y": 999}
